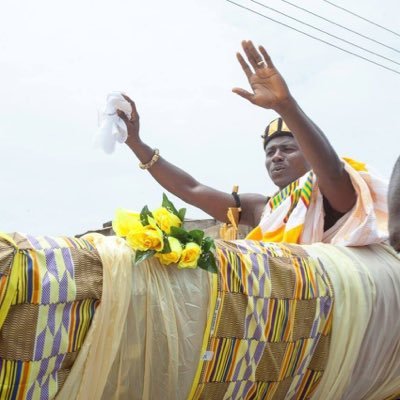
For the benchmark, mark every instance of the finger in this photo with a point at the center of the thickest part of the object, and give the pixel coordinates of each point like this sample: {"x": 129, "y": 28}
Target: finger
{"x": 253, "y": 55}
{"x": 260, "y": 63}
{"x": 244, "y": 93}
{"x": 249, "y": 54}
{"x": 123, "y": 116}
{"x": 133, "y": 106}
{"x": 134, "y": 113}
{"x": 244, "y": 66}
{"x": 127, "y": 98}
{"x": 266, "y": 56}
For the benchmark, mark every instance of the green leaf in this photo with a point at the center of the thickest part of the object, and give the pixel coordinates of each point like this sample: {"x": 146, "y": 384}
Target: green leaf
{"x": 144, "y": 214}
{"x": 143, "y": 255}
{"x": 180, "y": 234}
{"x": 167, "y": 247}
{"x": 197, "y": 236}
{"x": 169, "y": 206}
{"x": 207, "y": 244}
{"x": 207, "y": 262}
{"x": 181, "y": 214}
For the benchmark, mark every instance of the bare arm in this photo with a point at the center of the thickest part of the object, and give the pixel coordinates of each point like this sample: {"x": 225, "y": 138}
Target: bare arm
{"x": 333, "y": 180}
{"x": 184, "y": 186}
{"x": 394, "y": 207}
{"x": 270, "y": 91}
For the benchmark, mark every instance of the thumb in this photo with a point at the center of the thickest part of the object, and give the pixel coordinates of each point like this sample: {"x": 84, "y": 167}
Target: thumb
{"x": 244, "y": 93}
{"x": 123, "y": 116}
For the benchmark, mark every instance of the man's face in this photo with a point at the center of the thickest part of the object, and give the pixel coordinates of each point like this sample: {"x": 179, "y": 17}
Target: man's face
{"x": 284, "y": 161}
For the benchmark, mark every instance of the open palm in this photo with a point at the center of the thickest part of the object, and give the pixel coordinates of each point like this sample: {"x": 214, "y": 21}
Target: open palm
{"x": 269, "y": 88}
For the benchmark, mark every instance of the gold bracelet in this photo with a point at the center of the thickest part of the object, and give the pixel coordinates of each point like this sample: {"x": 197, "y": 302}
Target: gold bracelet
{"x": 153, "y": 160}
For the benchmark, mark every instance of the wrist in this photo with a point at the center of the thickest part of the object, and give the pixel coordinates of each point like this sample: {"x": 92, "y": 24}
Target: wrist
{"x": 133, "y": 142}
{"x": 286, "y": 106}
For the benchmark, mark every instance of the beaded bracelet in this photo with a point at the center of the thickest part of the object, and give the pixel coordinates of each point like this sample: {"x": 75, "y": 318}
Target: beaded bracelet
{"x": 153, "y": 160}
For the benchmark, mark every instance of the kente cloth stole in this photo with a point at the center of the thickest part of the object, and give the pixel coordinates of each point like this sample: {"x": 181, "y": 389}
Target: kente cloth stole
{"x": 284, "y": 216}
{"x": 269, "y": 324}
{"x": 49, "y": 291}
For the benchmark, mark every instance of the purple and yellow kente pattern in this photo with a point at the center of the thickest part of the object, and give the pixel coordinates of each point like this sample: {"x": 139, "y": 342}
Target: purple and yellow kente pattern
{"x": 268, "y": 333}
{"x": 57, "y": 288}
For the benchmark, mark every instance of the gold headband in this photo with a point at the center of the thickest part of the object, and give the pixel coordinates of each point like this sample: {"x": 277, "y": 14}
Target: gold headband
{"x": 275, "y": 127}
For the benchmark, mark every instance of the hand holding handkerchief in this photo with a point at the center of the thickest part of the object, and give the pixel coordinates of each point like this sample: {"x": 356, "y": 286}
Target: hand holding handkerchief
{"x": 112, "y": 128}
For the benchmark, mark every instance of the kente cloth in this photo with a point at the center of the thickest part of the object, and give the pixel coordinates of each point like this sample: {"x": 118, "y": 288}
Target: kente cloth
{"x": 296, "y": 213}
{"x": 269, "y": 324}
{"x": 266, "y": 327}
{"x": 49, "y": 291}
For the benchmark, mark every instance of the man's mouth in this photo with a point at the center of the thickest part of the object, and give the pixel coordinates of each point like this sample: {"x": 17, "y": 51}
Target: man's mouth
{"x": 278, "y": 168}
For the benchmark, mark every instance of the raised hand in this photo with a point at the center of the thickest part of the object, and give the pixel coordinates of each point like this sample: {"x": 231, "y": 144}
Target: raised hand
{"x": 132, "y": 123}
{"x": 269, "y": 88}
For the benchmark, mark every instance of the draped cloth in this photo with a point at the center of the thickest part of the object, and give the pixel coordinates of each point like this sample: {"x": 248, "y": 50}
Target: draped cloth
{"x": 268, "y": 326}
{"x": 296, "y": 213}
{"x": 364, "y": 358}
{"x": 93, "y": 364}
{"x": 352, "y": 353}
{"x": 278, "y": 322}
{"x": 146, "y": 335}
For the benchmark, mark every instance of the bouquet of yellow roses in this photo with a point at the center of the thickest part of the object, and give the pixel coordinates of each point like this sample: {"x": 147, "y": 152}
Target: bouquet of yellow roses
{"x": 159, "y": 233}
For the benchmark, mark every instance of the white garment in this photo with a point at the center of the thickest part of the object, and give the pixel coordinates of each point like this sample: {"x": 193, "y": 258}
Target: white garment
{"x": 112, "y": 128}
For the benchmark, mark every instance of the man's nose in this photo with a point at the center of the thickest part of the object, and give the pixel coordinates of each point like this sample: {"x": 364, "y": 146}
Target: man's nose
{"x": 277, "y": 156}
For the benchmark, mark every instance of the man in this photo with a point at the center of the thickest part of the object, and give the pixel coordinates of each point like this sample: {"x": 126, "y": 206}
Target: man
{"x": 292, "y": 151}
{"x": 394, "y": 207}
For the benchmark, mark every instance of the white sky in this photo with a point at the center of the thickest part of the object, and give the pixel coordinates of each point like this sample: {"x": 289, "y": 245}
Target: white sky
{"x": 176, "y": 59}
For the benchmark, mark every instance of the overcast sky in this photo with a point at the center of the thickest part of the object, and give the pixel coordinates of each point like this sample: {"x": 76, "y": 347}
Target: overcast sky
{"x": 176, "y": 59}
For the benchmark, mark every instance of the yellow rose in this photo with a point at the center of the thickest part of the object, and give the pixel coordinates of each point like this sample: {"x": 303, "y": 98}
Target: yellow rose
{"x": 166, "y": 219}
{"x": 145, "y": 238}
{"x": 174, "y": 255}
{"x": 125, "y": 221}
{"x": 190, "y": 256}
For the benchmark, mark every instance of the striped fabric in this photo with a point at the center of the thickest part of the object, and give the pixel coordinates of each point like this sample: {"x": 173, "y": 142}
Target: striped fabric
{"x": 284, "y": 215}
{"x": 57, "y": 290}
{"x": 296, "y": 213}
{"x": 8, "y": 282}
{"x": 269, "y": 327}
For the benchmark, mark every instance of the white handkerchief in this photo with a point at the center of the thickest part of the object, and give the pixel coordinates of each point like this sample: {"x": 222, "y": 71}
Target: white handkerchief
{"x": 112, "y": 128}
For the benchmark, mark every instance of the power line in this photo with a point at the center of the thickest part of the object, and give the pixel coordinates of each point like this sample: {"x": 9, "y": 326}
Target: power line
{"x": 325, "y": 32}
{"x": 359, "y": 16}
{"x": 314, "y": 37}
{"x": 341, "y": 26}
